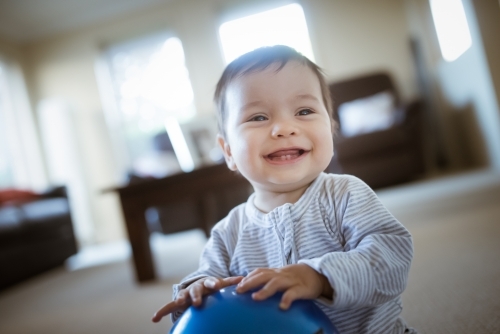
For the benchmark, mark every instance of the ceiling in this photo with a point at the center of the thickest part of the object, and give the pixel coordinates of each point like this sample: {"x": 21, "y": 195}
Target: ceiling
{"x": 24, "y": 21}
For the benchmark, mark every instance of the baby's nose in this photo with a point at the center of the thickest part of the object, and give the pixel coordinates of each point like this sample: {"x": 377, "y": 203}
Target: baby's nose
{"x": 284, "y": 129}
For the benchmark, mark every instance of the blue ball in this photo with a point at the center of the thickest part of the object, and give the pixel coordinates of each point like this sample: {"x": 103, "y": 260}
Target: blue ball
{"x": 227, "y": 311}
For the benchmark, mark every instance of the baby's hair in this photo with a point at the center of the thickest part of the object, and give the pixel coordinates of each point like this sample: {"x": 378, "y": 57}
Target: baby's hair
{"x": 258, "y": 60}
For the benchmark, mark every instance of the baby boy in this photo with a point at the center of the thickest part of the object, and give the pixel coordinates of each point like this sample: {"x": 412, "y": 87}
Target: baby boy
{"x": 308, "y": 234}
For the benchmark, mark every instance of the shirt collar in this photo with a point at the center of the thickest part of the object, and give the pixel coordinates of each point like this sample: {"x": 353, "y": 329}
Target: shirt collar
{"x": 296, "y": 210}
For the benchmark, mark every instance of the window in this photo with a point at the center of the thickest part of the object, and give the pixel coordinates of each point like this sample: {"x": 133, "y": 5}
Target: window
{"x": 152, "y": 92}
{"x": 451, "y": 28}
{"x": 284, "y": 25}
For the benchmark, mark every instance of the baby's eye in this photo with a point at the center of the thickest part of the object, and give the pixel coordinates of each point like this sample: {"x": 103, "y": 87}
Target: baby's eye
{"x": 258, "y": 118}
{"x": 304, "y": 112}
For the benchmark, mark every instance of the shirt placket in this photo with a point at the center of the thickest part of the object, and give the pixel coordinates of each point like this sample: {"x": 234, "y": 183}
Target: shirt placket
{"x": 283, "y": 226}
{"x": 289, "y": 245}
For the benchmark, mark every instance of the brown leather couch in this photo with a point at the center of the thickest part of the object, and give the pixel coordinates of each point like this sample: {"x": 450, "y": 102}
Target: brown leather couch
{"x": 380, "y": 158}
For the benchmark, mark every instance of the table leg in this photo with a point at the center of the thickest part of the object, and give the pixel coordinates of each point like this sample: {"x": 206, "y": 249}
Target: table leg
{"x": 138, "y": 234}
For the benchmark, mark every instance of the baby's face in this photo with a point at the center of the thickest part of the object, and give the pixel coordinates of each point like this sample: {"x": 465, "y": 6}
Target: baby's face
{"x": 278, "y": 131}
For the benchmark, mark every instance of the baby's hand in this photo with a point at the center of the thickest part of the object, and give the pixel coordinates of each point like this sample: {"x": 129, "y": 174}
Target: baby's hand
{"x": 297, "y": 281}
{"x": 193, "y": 294}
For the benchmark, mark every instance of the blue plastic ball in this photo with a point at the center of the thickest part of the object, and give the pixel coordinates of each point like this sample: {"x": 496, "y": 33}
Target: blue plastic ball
{"x": 227, "y": 311}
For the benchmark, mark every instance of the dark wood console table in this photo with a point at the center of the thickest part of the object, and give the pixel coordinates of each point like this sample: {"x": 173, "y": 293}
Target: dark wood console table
{"x": 210, "y": 191}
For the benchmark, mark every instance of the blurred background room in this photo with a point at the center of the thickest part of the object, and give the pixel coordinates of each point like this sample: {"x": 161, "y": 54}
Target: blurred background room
{"x": 110, "y": 179}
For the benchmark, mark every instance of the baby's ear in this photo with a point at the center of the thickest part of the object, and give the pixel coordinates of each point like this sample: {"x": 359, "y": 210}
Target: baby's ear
{"x": 226, "y": 150}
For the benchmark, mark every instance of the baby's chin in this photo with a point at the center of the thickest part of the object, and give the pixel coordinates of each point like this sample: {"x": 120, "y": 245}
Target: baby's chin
{"x": 288, "y": 183}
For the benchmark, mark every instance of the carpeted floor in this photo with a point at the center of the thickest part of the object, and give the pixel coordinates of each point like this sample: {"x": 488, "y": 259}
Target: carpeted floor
{"x": 454, "y": 284}
{"x": 100, "y": 299}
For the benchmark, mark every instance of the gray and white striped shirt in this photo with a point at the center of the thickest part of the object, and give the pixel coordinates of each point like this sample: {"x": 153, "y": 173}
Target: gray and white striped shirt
{"x": 339, "y": 228}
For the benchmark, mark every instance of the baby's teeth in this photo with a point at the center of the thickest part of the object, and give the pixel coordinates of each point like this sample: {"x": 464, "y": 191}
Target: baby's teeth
{"x": 286, "y": 157}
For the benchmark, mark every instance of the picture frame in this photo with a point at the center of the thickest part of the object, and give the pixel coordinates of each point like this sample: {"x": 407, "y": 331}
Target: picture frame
{"x": 195, "y": 142}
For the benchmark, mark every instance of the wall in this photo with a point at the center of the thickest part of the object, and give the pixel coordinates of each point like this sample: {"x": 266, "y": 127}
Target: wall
{"x": 489, "y": 26}
{"x": 355, "y": 37}
{"x": 21, "y": 132}
{"x": 8, "y": 49}
{"x": 468, "y": 81}
{"x": 462, "y": 94}
{"x": 348, "y": 37}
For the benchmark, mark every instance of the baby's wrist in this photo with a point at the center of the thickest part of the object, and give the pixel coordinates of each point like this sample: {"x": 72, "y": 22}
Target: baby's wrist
{"x": 326, "y": 288}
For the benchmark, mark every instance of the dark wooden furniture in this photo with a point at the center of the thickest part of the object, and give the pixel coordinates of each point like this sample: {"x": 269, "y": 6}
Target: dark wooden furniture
{"x": 184, "y": 201}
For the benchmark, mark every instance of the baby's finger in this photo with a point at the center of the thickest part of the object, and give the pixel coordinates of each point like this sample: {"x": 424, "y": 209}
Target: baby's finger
{"x": 162, "y": 312}
{"x": 270, "y": 288}
{"x": 256, "y": 272}
{"x": 211, "y": 283}
{"x": 289, "y": 296}
{"x": 255, "y": 281}
{"x": 196, "y": 292}
{"x": 228, "y": 281}
{"x": 182, "y": 296}
{"x": 177, "y": 305}
{"x": 219, "y": 283}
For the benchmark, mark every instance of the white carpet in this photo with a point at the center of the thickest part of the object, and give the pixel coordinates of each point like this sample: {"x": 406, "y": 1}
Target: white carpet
{"x": 454, "y": 284}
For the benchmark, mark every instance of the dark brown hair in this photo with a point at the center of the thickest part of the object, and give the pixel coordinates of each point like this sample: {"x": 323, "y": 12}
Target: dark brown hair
{"x": 258, "y": 60}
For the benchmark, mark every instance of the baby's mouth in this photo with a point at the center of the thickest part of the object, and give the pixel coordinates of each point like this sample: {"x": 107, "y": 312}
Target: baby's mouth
{"x": 283, "y": 155}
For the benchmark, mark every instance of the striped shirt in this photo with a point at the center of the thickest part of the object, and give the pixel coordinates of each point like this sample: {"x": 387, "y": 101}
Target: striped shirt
{"x": 339, "y": 228}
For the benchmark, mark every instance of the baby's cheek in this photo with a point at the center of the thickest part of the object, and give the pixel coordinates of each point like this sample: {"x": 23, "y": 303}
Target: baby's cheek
{"x": 245, "y": 151}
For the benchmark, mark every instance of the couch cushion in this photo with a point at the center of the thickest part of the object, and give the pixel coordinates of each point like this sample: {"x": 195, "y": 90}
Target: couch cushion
{"x": 45, "y": 209}
{"x": 368, "y": 114}
{"x": 10, "y": 217}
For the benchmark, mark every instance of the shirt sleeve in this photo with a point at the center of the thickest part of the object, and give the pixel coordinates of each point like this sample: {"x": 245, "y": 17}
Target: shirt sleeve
{"x": 374, "y": 266}
{"x": 214, "y": 261}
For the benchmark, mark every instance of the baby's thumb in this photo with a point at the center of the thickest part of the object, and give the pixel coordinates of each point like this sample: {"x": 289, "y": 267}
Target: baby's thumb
{"x": 288, "y": 297}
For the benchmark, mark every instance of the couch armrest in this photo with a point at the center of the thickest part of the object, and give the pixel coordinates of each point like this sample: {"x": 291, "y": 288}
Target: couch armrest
{"x": 371, "y": 144}
{"x": 57, "y": 191}
{"x": 412, "y": 112}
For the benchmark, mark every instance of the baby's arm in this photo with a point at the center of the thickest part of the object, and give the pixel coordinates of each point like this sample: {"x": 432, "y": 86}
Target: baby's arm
{"x": 374, "y": 266}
